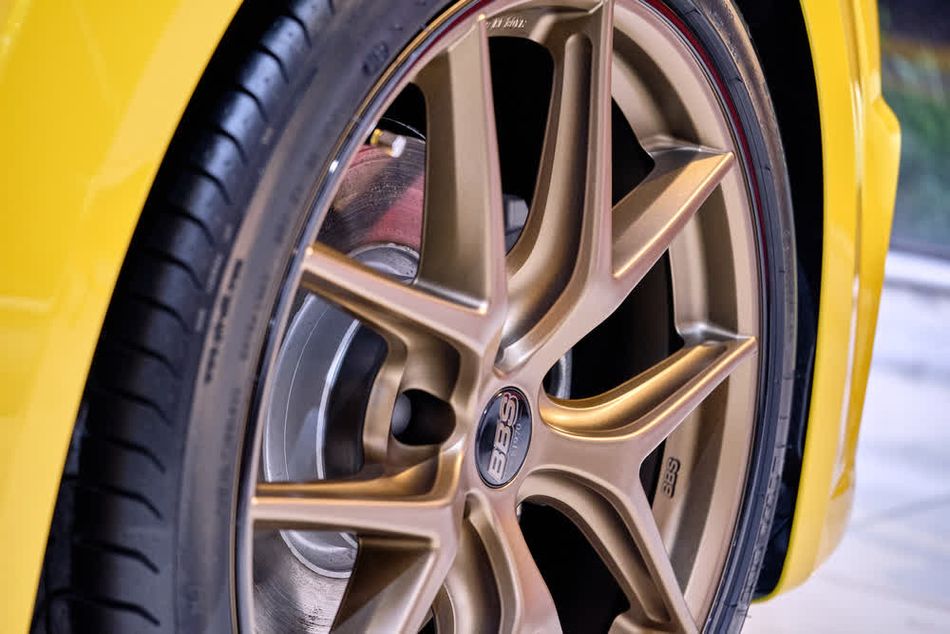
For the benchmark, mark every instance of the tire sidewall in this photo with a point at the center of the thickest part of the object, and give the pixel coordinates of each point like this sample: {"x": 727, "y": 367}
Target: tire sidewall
{"x": 727, "y": 49}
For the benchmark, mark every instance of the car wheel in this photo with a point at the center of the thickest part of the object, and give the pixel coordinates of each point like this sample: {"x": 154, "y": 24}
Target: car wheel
{"x": 469, "y": 317}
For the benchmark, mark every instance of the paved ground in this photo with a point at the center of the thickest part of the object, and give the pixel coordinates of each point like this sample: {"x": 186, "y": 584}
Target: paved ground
{"x": 892, "y": 570}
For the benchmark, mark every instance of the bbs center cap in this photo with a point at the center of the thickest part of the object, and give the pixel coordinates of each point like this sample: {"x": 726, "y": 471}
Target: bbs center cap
{"x": 504, "y": 433}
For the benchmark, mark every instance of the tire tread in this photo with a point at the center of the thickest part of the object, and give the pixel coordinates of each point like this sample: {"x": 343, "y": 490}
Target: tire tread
{"x": 105, "y": 575}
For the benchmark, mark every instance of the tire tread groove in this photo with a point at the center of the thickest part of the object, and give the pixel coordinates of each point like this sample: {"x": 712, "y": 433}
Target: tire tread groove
{"x": 117, "y": 551}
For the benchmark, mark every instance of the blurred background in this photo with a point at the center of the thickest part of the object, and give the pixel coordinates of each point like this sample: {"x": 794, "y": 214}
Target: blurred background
{"x": 915, "y": 47}
{"x": 891, "y": 572}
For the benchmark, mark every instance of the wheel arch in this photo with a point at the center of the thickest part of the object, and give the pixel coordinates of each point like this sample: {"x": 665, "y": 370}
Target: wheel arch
{"x": 857, "y": 166}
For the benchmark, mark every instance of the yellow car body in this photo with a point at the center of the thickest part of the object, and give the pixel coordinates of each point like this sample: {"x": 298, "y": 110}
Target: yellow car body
{"x": 91, "y": 95}
{"x": 860, "y": 140}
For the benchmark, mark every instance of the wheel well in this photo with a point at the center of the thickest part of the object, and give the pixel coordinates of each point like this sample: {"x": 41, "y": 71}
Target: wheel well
{"x": 778, "y": 32}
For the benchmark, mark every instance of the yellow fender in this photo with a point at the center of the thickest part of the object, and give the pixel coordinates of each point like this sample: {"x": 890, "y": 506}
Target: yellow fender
{"x": 860, "y": 140}
{"x": 90, "y": 95}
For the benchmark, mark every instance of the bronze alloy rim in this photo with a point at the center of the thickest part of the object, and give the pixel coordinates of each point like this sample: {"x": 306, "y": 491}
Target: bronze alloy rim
{"x": 436, "y": 540}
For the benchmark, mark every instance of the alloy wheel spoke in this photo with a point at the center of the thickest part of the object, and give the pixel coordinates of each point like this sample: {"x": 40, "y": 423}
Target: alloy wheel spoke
{"x": 684, "y": 381}
{"x": 469, "y": 602}
{"x": 463, "y": 245}
{"x": 394, "y": 584}
{"x": 598, "y": 438}
{"x": 588, "y": 464}
{"x": 526, "y": 602}
{"x": 418, "y": 502}
{"x": 622, "y": 540}
{"x": 380, "y": 405}
{"x": 406, "y": 312}
{"x": 572, "y": 196}
{"x": 639, "y": 516}
{"x": 643, "y": 225}
{"x": 648, "y": 219}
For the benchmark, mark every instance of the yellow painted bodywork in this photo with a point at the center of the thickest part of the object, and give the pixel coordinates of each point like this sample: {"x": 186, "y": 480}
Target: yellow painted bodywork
{"x": 860, "y": 141}
{"x": 90, "y": 95}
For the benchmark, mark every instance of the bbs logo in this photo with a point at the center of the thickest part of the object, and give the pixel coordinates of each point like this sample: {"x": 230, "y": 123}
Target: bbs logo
{"x": 504, "y": 433}
{"x": 670, "y": 476}
{"x": 508, "y": 412}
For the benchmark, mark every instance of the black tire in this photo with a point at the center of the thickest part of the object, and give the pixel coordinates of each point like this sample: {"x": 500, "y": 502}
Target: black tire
{"x": 723, "y": 35}
{"x": 143, "y": 536}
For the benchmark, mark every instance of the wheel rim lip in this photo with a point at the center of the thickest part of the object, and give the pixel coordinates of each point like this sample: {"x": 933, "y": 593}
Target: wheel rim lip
{"x": 702, "y": 600}
{"x": 376, "y": 104}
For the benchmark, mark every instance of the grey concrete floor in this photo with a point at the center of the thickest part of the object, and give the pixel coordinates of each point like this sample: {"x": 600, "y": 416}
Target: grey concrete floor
{"x": 891, "y": 572}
